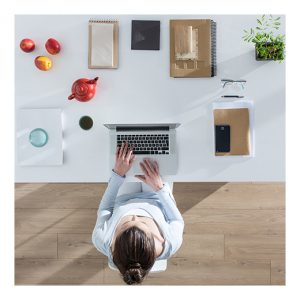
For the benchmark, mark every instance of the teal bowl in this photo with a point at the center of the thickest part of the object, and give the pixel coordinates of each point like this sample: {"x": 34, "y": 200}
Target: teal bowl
{"x": 38, "y": 137}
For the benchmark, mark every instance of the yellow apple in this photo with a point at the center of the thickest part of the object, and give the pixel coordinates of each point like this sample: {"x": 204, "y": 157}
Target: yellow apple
{"x": 43, "y": 63}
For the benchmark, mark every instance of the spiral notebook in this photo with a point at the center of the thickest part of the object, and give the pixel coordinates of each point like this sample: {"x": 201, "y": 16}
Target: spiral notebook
{"x": 193, "y": 48}
{"x": 103, "y": 44}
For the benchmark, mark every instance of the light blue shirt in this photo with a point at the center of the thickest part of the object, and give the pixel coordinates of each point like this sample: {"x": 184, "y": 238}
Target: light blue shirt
{"x": 161, "y": 206}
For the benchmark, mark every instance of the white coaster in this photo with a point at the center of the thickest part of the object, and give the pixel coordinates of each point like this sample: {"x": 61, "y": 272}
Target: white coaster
{"x": 50, "y": 121}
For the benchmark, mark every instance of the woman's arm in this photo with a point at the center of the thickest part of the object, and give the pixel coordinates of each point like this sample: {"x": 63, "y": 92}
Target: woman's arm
{"x": 167, "y": 202}
{"x": 110, "y": 194}
{"x": 152, "y": 178}
{"x": 105, "y": 211}
{"x": 173, "y": 217}
{"x": 124, "y": 160}
{"x": 169, "y": 205}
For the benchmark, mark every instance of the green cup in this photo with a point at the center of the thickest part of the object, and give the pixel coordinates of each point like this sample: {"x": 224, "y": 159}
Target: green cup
{"x": 86, "y": 122}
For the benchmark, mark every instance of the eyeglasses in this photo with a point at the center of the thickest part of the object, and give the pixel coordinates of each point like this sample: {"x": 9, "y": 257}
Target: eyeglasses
{"x": 240, "y": 82}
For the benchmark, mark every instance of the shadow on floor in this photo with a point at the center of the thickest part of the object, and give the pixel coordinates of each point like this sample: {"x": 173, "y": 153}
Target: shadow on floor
{"x": 188, "y": 195}
{"x": 80, "y": 270}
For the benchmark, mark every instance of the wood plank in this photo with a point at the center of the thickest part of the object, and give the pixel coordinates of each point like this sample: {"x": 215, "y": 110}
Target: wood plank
{"x": 59, "y": 195}
{"x": 36, "y": 246}
{"x": 28, "y": 221}
{"x": 208, "y": 195}
{"x": 202, "y": 246}
{"x": 229, "y": 195}
{"x": 58, "y": 271}
{"x": 66, "y": 213}
{"x": 254, "y": 247}
{"x": 278, "y": 272}
{"x": 77, "y": 245}
{"x": 213, "y": 273}
{"x": 185, "y": 271}
{"x": 112, "y": 277}
{"x": 237, "y": 221}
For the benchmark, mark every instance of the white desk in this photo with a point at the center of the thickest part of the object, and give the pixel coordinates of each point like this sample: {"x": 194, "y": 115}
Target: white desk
{"x": 142, "y": 91}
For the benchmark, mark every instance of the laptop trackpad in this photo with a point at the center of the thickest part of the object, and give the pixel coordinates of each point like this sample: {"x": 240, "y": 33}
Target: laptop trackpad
{"x": 166, "y": 165}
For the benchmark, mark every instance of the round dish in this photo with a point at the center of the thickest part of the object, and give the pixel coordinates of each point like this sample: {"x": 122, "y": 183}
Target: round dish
{"x": 38, "y": 137}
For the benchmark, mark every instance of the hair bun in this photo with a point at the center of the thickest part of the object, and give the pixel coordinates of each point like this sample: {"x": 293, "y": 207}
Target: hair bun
{"x": 134, "y": 274}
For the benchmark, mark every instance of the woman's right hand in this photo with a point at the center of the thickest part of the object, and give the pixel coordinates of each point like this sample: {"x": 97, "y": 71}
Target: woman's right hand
{"x": 124, "y": 159}
{"x": 151, "y": 174}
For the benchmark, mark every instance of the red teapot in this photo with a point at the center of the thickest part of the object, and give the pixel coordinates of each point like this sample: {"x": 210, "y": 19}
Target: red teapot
{"x": 84, "y": 89}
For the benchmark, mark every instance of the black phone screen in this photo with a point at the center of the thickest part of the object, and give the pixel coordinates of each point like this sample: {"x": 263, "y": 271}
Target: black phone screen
{"x": 222, "y": 136}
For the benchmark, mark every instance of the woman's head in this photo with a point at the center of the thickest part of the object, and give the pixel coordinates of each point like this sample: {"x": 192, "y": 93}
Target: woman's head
{"x": 134, "y": 254}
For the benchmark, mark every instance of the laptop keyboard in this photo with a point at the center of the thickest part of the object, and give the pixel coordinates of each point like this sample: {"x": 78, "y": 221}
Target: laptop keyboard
{"x": 146, "y": 143}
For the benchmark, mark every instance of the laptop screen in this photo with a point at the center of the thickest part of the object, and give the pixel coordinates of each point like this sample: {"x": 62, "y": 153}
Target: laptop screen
{"x": 142, "y": 128}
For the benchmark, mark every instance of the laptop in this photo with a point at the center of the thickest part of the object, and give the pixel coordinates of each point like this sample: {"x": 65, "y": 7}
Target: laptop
{"x": 154, "y": 141}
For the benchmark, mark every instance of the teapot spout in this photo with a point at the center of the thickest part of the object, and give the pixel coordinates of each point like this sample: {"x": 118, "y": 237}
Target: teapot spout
{"x": 72, "y": 96}
{"x": 93, "y": 81}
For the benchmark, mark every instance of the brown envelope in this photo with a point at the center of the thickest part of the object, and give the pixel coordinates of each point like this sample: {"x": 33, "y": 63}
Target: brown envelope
{"x": 238, "y": 120}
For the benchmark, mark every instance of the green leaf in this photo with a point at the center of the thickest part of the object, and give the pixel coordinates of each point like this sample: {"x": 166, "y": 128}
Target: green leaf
{"x": 277, "y": 19}
{"x": 259, "y": 22}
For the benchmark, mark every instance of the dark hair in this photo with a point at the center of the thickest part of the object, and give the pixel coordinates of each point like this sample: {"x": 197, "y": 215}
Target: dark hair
{"x": 134, "y": 254}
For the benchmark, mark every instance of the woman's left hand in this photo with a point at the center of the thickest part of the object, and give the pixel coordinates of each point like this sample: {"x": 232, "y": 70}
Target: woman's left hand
{"x": 124, "y": 159}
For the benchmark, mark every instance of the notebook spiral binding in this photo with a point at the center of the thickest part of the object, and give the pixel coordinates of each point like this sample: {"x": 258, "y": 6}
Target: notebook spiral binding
{"x": 213, "y": 48}
{"x": 103, "y": 21}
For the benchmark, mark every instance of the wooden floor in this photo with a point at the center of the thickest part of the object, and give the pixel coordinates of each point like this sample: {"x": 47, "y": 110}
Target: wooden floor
{"x": 234, "y": 235}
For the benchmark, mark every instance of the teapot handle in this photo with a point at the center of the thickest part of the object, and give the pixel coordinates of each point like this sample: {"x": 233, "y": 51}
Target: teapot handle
{"x": 72, "y": 96}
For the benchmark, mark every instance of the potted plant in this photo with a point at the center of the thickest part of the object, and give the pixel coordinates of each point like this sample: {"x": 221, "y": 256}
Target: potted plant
{"x": 268, "y": 45}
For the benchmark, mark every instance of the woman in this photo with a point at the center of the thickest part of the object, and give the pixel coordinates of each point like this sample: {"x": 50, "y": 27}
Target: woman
{"x": 139, "y": 228}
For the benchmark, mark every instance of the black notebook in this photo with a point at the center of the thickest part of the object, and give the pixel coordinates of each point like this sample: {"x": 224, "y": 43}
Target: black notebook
{"x": 145, "y": 35}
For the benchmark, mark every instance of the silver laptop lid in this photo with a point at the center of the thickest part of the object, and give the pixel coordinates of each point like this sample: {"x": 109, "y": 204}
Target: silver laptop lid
{"x": 140, "y": 127}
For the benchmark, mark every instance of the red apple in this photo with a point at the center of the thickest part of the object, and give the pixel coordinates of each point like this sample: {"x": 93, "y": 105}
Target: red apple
{"x": 27, "y": 45}
{"x": 43, "y": 63}
{"x": 52, "y": 46}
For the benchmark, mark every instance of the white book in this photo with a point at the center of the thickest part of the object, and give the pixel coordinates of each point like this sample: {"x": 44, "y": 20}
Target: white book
{"x": 103, "y": 44}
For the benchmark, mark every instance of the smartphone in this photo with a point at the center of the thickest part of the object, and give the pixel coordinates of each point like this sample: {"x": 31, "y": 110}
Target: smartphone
{"x": 222, "y": 138}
